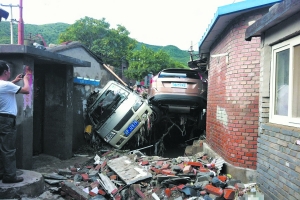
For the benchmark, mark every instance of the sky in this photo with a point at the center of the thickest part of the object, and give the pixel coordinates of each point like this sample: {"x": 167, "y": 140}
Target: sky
{"x": 181, "y": 23}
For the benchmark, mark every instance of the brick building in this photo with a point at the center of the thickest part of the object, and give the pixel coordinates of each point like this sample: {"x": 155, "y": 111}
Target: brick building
{"x": 233, "y": 89}
{"x": 278, "y": 157}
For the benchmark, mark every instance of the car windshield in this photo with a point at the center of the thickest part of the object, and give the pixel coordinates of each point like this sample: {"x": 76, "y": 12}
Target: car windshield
{"x": 107, "y": 103}
{"x": 179, "y": 74}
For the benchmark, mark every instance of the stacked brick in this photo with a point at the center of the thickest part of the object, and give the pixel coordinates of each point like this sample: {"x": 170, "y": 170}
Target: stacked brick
{"x": 279, "y": 161}
{"x": 233, "y": 94}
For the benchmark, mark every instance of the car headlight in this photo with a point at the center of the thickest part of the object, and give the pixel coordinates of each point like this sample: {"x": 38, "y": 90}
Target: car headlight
{"x": 109, "y": 136}
{"x": 137, "y": 105}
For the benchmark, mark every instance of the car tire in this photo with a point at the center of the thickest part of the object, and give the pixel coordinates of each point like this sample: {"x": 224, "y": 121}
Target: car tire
{"x": 156, "y": 114}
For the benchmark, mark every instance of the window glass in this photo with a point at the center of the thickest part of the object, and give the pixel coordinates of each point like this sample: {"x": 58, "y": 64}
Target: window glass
{"x": 282, "y": 83}
{"x": 180, "y": 74}
{"x": 296, "y": 83}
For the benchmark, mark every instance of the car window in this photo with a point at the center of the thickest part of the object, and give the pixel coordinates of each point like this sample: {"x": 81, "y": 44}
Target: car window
{"x": 179, "y": 74}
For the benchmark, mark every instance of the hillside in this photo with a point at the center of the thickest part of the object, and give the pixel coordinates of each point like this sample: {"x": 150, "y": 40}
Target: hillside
{"x": 50, "y": 33}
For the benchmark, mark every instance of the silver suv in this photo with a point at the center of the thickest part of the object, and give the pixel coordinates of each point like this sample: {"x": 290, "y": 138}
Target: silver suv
{"x": 117, "y": 113}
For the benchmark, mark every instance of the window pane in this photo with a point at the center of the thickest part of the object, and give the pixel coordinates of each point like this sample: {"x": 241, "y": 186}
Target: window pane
{"x": 282, "y": 83}
{"x": 296, "y": 83}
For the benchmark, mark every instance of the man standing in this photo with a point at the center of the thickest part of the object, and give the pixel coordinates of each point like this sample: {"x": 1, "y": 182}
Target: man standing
{"x": 8, "y": 112}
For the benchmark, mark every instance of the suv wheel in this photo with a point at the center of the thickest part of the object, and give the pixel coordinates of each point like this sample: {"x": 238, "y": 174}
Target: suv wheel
{"x": 156, "y": 114}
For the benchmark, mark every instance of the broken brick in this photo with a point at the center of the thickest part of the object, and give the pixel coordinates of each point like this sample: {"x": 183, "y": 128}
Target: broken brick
{"x": 94, "y": 184}
{"x": 114, "y": 191}
{"x": 106, "y": 153}
{"x": 157, "y": 171}
{"x": 229, "y": 193}
{"x": 138, "y": 191}
{"x": 98, "y": 167}
{"x": 195, "y": 164}
{"x": 222, "y": 178}
{"x": 181, "y": 186}
{"x": 113, "y": 177}
{"x": 92, "y": 194}
{"x": 160, "y": 163}
{"x": 214, "y": 190}
{"x": 202, "y": 169}
{"x": 103, "y": 164}
{"x": 165, "y": 166}
{"x": 73, "y": 169}
{"x": 187, "y": 169}
{"x": 85, "y": 177}
{"x": 167, "y": 172}
{"x": 101, "y": 192}
{"x": 146, "y": 162}
{"x": 118, "y": 197}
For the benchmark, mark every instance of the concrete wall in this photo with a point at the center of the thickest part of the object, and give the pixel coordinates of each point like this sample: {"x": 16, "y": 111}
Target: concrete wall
{"x": 278, "y": 159}
{"x": 233, "y": 89}
{"x": 96, "y": 71}
{"x": 81, "y": 92}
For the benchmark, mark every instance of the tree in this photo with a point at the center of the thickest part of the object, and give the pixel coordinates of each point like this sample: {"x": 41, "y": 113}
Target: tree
{"x": 144, "y": 61}
{"x": 112, "y": 45}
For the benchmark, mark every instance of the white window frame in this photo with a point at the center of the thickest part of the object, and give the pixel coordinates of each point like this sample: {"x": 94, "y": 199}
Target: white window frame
{"x": 278, "y": 119}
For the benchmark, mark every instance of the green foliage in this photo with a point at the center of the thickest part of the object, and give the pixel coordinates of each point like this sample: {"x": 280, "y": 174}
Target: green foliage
{"x": 112, "y": 45}
{"x": 49, "y": 32}
{"x": 144, "y": 61}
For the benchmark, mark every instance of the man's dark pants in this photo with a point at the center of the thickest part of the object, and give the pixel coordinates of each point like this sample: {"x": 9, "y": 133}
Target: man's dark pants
{"x": 7, "y": 147}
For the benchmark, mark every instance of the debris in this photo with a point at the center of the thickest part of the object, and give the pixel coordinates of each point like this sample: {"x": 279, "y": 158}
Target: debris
{"x": 127, "y": 170}
{"x": 107, "y": 184}
{"x": 51, "y": 181}
{"x": 124, "y": 174}
{"x": 54, "y": 176}
{"x": 73, "y": 191}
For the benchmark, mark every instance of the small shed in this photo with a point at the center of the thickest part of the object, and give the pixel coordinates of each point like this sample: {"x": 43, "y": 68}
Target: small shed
{"x": 45, "y": 115}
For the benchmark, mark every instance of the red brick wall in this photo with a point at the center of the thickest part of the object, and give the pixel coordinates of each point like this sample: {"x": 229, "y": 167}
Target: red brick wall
{"x": 233, "y": 90}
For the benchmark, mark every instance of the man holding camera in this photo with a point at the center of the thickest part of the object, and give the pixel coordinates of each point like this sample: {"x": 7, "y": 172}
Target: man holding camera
{"x": 8, "y": 112}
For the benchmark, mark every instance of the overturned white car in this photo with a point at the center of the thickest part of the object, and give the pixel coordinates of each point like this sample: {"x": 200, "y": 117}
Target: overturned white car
{"x": 116, "y": 113}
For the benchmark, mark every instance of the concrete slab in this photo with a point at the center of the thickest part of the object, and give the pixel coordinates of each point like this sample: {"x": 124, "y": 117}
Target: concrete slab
{"x": 32, "y": 186}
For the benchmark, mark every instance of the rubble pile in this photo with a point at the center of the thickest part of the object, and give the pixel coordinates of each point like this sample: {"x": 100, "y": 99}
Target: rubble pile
{"x": 119, "y": 174}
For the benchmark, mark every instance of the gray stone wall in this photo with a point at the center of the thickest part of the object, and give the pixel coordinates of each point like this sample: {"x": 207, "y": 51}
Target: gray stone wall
{"x": 278, "y": 161}
{"x": 278, "y": 157}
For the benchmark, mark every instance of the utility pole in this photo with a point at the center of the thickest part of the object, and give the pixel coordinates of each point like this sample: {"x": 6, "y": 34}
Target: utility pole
{"x": 21, "y": 25}
{"x": 11, "y": 22}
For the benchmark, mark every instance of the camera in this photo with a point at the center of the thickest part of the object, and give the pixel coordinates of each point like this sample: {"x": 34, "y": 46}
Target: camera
{"x": 22, "y": 75}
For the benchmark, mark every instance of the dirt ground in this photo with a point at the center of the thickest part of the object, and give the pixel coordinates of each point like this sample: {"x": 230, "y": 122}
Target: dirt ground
{"x": 45, "y": 164}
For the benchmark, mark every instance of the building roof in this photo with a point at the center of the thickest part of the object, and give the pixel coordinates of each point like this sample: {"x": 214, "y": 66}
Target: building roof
{"x": 224, "y": 15}
{"x": 75, "y": 44}
{"x": 40, "y": 56}
{"x": 277, "y": 14}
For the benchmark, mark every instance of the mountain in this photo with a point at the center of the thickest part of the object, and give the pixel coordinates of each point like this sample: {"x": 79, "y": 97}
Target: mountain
{"x": 174, "y": 52}
{"x": 50, "y": 33}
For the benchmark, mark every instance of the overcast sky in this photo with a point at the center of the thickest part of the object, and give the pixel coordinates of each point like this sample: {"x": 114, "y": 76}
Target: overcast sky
{"x": 157, "y": 22}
